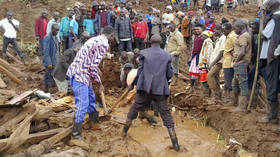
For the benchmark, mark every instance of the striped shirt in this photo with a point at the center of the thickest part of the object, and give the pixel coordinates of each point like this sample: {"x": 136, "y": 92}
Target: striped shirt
{"x": 87, "y": 60}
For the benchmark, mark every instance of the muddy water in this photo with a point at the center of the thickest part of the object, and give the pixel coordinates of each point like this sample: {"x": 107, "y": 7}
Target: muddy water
{"x": 195, "y": 139}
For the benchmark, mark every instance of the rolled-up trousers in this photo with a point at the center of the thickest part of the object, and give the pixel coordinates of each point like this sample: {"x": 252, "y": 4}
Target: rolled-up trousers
{"x": 143, "y": 100}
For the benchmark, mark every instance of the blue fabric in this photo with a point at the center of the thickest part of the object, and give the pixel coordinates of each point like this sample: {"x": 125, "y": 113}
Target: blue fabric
{"x": 89, "y": 26}
{"x": 64, "y": 27}
{"x": 110, "y": 18}
{"x": 202, "y": 21}
{"x": 50, "y": 49}
{"x": 84, "y": 99}
{"x": 71, "y": 40}
{"x": 75, "y": 25}
{"x": 150, "y": 18}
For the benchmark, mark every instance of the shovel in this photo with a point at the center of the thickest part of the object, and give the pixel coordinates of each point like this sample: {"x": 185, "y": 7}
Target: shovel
{"x": 105, "y": 116}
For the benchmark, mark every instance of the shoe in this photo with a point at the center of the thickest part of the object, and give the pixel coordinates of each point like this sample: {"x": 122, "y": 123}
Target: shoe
{"x": 93, "y": 120}
{"x": 272, "y": 116}
{"x": 242, "y": 104}
{"x": 76, "y": 131}
{"x": 174, "y": 139}
{"x": 126, "y": 127}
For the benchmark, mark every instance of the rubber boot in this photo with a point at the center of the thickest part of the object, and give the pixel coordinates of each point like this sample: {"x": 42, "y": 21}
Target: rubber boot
{"x": 272, "y": 116}
{"x": 76, "y": 139}
{"x": 233, "y": 99}
{"x": 76, "y": 131}
{"x": 173, "y": 138}
{"x": 242, "y": 104}
{"x": 126, "y": 127}
{"x": 94, "y": 119}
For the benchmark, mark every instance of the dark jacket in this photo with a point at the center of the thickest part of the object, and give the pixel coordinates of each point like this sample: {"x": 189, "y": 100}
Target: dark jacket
{"x": 63, "y": 64}
{"x": 123, "y": 29}
{"x": 50, "y": 49}
{"x": 154, "y": 71}
{"x": 275, "y": 39}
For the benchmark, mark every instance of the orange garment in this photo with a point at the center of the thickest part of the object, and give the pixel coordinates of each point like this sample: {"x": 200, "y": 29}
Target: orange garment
{"x": 186, "y": 27}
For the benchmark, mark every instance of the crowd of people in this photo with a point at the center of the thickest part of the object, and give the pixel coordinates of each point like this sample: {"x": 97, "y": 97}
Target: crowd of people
{"x": 149, "y": 47}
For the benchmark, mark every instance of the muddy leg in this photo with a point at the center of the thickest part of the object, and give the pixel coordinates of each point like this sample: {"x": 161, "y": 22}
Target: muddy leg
{"x": 167, "y": 119}
{"x": 140, "y": 102}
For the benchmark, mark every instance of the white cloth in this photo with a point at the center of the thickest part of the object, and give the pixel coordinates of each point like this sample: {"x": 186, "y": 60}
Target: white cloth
{"x": 222, "y": 2}
{"x": 208, "y": 3}
{"x": 131, "y": 76}
{"x": 49, "y": 27}
{"x": 219, "y": 46}
{"x": 10, "y": 31}
{"x": 167, "y": 18}
{"x": 267, "y": 32}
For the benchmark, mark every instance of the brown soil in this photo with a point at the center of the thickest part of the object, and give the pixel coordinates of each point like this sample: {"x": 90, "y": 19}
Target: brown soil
{"x": 254, "y": 137}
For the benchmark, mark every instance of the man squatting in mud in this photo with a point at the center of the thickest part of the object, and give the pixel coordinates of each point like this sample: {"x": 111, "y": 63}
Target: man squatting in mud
{"x": 151, "y": 82}
{"x": 81, "y": 71}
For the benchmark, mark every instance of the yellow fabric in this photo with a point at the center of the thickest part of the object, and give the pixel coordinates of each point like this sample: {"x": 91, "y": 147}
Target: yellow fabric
{"x": 176, "y": 43}
{"x": 229, "y": 47}
{"x": 207, "y": 49}
{"x": 208, "y": 33}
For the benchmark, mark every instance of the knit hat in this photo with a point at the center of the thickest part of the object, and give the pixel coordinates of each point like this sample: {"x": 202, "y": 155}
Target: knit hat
{"x": 156, "y": 39}
{"x": 94, "y": 3}
{"x": 169, "y": 7}
{"x": 208, "y": 33}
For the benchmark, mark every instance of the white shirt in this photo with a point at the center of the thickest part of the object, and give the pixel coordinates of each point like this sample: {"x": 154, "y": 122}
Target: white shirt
{"x": 49, "y": 27}
{"x": 10, "y": 31}
{"x": 167, "y": 18}
{"x": 267, "y": 32}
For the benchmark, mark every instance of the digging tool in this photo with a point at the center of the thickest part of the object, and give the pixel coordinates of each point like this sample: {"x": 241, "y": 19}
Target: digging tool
{"x": 258, "y": 58}
{"x": 121, "y": 98}
{"x": 105, "y": 116}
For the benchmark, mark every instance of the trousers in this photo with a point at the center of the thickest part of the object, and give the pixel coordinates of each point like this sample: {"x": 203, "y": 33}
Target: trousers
{"x": 273, "y": 82}
{"x": 48, "y": 78}
{"x": 6, "y": 42}
{"x": 125, "y": 46}
{"x": 228, "y": 76}
{"x": 240, "y": 79}
{"x": 84, "y": 100}
{"x": 143, "y": 100}
{"x": 213, "y": 77}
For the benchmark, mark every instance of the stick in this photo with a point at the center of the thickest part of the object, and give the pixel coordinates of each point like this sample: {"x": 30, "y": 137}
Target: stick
{"x": 121, "y": 98}
{"x": 9, "y": 67}
{"x": 14, "y": 58}
{"x": 258, "y": 60}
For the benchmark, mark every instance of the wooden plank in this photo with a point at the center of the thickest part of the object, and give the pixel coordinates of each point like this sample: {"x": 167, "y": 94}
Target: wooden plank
{"x": 2, "y": 83}
{"x": 11, "y": 68}
{"x": 19, "y": 98}
{"x": 40, "y": 136}
{"x": 11, "y": 76}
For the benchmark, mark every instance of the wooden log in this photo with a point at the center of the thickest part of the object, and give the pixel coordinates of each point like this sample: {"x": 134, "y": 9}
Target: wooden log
{"x": 8, "y": 128}
{"x": 11, "y": 76}
{"x": 39, "y": 127}
{"x": 46, "y": 145}
{"x": 40, "y": 136}
{"x": 14, "y": 58}
{"x": 2, "y": 83}
{"x": 19, "y": 136}
{"x": 13, "y": 112}
{"x": 11, "y": 68}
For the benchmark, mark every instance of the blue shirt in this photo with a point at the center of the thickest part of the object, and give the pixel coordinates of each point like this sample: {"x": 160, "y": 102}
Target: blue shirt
{"x": 149, "y": 18}
{"x": 74, "y": 24}
{"x": 64, "y": 27}
{"x": 89, "y": 26}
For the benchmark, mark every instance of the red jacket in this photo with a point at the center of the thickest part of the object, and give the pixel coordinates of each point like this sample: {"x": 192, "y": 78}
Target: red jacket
{"x": 41, "y": 25}
{"x": 140, "y": 29}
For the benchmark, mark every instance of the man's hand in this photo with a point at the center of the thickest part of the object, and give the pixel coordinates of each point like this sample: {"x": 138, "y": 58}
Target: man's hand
{"x": 50, "y": 67}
